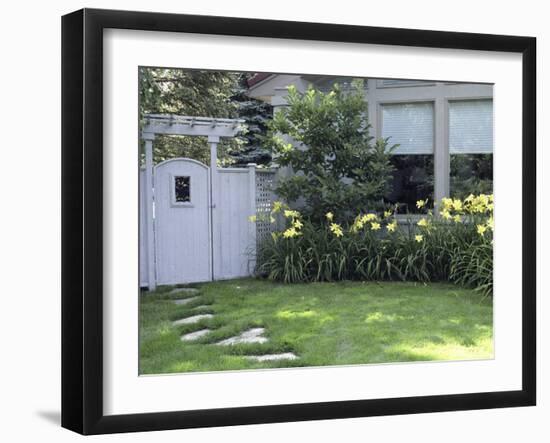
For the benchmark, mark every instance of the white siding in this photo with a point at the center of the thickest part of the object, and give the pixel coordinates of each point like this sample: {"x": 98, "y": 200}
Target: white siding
{"x": 471, "y": 127}
{"x": 411, "y": 125}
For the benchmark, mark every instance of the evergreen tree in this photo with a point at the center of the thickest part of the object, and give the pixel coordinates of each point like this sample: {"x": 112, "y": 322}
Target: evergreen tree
{"x": 256, "y": 115}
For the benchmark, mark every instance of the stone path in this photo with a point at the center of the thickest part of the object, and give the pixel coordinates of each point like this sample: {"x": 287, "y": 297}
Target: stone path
{"x": 253, "y": 335}
{"x": 273, "y": 357}
{"x": 184, "y": 301}
{"x": 195, "y": 335}
{"x": 190, "y": 320}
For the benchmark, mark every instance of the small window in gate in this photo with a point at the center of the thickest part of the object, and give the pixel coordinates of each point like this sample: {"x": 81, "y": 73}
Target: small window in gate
{"x": 182, "y": 189}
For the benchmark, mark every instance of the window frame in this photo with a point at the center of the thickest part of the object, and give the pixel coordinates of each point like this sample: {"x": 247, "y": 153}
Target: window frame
{"x": 173, "y": 201}
{"x": 440, "y": 94}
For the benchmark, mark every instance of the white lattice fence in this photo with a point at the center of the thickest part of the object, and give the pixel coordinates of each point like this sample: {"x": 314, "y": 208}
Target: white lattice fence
{"x": 265, "y": 184}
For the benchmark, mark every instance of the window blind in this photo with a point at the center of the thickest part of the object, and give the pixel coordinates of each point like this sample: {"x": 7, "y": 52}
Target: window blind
{"x": 471, "y": 127}
{"x": 411, "y": 125}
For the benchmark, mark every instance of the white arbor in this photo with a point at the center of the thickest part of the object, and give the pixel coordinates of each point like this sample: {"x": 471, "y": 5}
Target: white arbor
{"x": 194, "y": 218}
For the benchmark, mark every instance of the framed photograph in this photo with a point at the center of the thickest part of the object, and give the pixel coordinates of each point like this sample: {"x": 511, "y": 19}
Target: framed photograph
{"x": 270, "y": 221}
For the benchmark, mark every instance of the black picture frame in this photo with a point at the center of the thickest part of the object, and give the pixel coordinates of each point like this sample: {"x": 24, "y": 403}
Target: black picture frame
{"x": 82, "y": 218}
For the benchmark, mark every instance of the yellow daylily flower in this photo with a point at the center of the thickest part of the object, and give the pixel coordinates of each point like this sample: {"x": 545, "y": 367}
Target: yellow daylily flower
{"x": 445, "y": 214}
{"x": 272, "y": 219}
{"x": 481, "y": 229}
{"x": 391, "y": 226}
{"x": 290, "y": 213}
{"x": 336, "y": 229}
{"x": 375, "y": 226}
{"x": 421, "y": 203}
{"x": 484, "y": 199}
{"x": 423, "y": 222}
{"x": 419, "y": 238}
{"x": 457, "y": 204}
{"x": 457, "y": 218}
{"x": 277, "y": 206}
{"x": 329, "y": 216}
{"x": 447, "y": 203}
{"x": 491, "y": 223}
{"x": 252, "y": 219}
{"x": 357, "y": 224}
{"x": 369, "y": 217}
{"x": 387, "y": 214}
{"x": 290, "y": 232}
{"x": 297, "y": 224}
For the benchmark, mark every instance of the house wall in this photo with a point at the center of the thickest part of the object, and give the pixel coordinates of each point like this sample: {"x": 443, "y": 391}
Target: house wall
{"x": 379, "y": 92}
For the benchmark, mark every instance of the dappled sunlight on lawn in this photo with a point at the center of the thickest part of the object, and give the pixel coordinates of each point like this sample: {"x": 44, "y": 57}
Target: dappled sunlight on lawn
{"x": 322, "y": 324}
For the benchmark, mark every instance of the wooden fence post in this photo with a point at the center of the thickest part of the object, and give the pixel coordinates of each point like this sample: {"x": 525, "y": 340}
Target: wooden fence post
{"x": 252, "y": 212}
{"x": 151, "y": 274}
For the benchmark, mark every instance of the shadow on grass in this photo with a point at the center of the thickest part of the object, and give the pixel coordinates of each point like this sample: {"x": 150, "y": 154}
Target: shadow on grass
{"x": 343, "y": 323}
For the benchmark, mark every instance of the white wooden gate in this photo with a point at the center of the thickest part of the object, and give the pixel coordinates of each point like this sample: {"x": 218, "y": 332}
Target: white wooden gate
{"x": 200, "y": 223}
{"x": 182, "y": 222}
{"x": 194, "y": 219}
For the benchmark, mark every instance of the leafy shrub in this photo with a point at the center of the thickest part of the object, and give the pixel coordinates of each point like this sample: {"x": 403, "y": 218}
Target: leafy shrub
{"x": 455, "y": 246}
{"x": 343, "y": 169}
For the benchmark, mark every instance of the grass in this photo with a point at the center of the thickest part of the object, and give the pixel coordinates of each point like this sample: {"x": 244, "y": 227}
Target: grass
{"x": 323, "y": 323}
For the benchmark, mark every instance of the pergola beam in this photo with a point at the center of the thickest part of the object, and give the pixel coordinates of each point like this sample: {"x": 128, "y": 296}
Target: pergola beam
{"x": 168, "y": 124}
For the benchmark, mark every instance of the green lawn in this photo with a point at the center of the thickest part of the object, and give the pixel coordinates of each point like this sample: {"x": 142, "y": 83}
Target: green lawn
{"x": 323, "y": 323}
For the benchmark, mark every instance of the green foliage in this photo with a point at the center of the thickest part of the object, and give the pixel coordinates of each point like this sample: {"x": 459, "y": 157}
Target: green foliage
{"x": 456, "y": 247}
{"x": 343, "y": 168}
{"x": 193, "y": 93}
{"x": 473, "y": 267}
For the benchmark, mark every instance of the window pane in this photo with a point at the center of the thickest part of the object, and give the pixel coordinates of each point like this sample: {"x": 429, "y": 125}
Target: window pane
{"x": 471, "y": 127}
{"x": 411, "y": 125}
{"x": 471, "y": 174}
{"x": 182, "y": 188}
{"x": 413, "y": 180}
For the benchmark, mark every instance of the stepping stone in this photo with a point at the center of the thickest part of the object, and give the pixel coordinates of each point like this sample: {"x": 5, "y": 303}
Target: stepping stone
{"x": 253, "y": 335}
{"x": 190, "y": 320}
{"x": 195, "y": 335}
{"x": 273, "y": 357}
{"x": 184, "y": 301}
{"x": 188, "y": 291}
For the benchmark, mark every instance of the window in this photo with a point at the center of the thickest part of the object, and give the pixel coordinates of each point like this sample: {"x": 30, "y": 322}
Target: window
{"x": 471, "y": 147}
{"x": 411, "y": 127}
{"x": 471, "y": 174}
{"x": 412, "y": 180}
{"x": 182, "y": 189}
